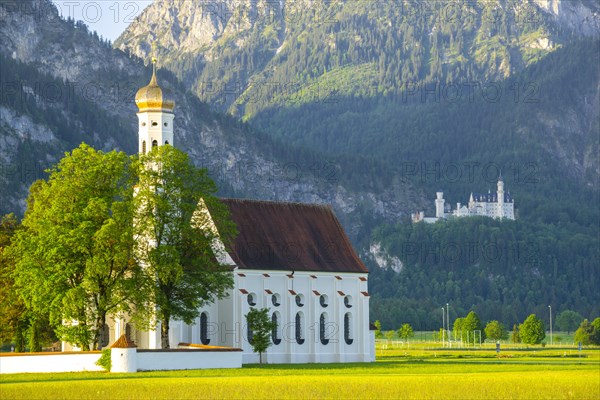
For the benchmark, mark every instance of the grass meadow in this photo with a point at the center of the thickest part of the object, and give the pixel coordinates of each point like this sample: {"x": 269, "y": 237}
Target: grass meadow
{"x": 415, "y": 371}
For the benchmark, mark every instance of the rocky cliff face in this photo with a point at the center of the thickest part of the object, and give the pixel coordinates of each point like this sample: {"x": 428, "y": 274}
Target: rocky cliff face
{"x": 233, "y": 52}
{"x": 90, "y": 74}
{"x": 581, "y": 17}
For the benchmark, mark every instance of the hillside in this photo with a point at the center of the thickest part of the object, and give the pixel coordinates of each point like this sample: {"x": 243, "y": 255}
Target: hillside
{"x": 66, "y": 86}
{"x": 506, "y": 85}
{"x": 502, "y": 270}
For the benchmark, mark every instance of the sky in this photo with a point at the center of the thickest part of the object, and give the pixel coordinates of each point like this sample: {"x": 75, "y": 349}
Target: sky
{"x": 107, "y": 17}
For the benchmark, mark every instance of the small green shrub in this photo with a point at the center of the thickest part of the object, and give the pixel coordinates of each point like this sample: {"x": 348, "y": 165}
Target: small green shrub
{"x": 104, "y": 360}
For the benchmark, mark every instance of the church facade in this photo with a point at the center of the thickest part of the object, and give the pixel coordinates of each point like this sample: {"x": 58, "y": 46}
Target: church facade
{"x": 294, "y": 259}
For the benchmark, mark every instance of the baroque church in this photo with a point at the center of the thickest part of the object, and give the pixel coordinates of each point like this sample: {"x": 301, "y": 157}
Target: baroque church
{"x": 294, "y": 259}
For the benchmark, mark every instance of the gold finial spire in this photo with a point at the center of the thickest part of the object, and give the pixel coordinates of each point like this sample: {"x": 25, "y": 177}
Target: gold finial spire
{"x": 153, "y": 97}
{"x": 154, "y": 61}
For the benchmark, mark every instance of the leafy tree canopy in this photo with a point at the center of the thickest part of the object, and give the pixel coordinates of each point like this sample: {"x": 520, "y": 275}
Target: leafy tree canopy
{"x": 532, "y": 330}
{"x": 73, "y": 257}
{"x": 189, "y": 231}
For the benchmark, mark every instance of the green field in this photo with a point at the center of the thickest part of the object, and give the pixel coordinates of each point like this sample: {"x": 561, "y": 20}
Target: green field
{"x": 419, "y": 372}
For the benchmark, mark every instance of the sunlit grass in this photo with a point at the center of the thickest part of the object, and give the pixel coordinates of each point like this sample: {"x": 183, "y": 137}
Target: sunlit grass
{"x": 415, "y": 373}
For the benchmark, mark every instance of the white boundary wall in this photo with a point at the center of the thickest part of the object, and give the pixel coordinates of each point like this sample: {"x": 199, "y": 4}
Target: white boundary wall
{"x": 51, "y": 362}
{"x": 149, "y": 360}
{"x": 153, "y": 360}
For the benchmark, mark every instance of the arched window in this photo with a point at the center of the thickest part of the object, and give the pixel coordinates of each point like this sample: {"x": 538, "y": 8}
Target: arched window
{"x": 275, "y": 333}
{"x": 128, "y": 331}
{"x": 322, "y": 329}
{"x": 166, "y": 142}
{"x": 165, "y": 124}
{"x": 155, "y": 143}
{"x": 348, "y": 301}
{"x": 299, "y": 328}
{"x": 249, "y": 333}
{"x": 144, "y": 147}
{"x": 276, "y": 300}
{"x": 204, "y": 329}
{"x": 323, "y": 301}
{"x": 299, "y": 300}
{"x": 251, "y": 299}
{"x": 348, "y": 328}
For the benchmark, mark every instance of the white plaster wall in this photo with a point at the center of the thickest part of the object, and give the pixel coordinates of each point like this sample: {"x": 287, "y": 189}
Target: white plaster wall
{"x": 312, "y": 350}
{"x": 168, "y": 360}
{"x": 227, "y": 322}
{"x": 14, "y": 364}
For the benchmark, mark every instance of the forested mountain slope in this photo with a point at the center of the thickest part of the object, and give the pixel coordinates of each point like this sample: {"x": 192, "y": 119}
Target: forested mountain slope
{"x": 64, "y": 86}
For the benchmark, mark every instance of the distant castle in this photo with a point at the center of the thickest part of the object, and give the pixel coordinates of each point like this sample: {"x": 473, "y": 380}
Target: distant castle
{"x": 493, "y": 205}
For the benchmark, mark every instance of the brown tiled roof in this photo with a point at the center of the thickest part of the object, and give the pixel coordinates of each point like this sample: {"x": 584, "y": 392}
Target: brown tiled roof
{"x": 290, "y": 236}
{"x": 123, "y": 343}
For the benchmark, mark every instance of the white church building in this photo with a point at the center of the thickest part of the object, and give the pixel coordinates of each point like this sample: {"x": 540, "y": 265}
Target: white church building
{"x": 493, "y": 205}
{"x": 294, "y": 259}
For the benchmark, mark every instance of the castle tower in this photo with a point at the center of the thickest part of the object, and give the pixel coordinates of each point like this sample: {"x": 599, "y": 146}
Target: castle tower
{"x": 500, "y": 197}
{"x": 439, "y": 205}
{"x": 155, "y": 114}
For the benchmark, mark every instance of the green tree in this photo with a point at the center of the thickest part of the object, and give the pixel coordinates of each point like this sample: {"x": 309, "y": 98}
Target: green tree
{"x": 495, "y": 330}
{"x": 261, "y": 327}
{"x": 471, "y": 324}
{"x": 73, "y": 256}
{"x": 532, "y": 330}
{"x": 186, "y": 230}
{"x": 378, "y": 333}
{"x": 516, "y": 336}
{"x": 14, "y": 319}
{"x": 458, "y": 328}
{"x": 406, "y": 332}
{"x": 568, "y": 320}
{"x": 389, "y": 335}
{"x": 595, "y": 338}
{"x": 584, "y": 333}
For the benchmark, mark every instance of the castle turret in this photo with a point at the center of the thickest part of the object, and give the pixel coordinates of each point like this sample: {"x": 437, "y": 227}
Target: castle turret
{"x": 500, "y": 197}
{"x": 439, "y": 205}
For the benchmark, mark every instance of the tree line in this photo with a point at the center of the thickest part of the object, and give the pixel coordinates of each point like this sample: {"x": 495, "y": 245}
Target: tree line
{"x": 470, "y": 330}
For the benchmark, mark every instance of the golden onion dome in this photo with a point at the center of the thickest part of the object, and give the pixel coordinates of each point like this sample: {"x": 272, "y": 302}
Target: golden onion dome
{"x": 153, "y": 97}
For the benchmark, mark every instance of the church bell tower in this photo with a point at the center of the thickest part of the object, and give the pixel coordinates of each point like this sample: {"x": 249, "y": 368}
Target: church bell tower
{"x": 155, "y": 114}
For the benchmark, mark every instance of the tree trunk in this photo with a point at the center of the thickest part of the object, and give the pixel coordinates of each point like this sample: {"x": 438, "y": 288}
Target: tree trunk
{"x": 164, "y": 331}
{"x": 19, "y": 339}
{"x": 260, "y": 357}
{"x": 34, "y": 337}
{"x": 98, "y": 330}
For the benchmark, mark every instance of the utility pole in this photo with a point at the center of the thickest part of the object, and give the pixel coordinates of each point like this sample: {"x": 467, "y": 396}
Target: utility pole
{"x": 550, "y": 307}
{"x": 443, "y": 327}
{"x": 448, "y": 320}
